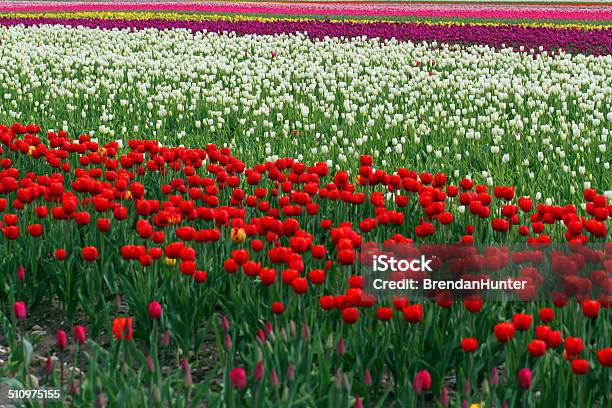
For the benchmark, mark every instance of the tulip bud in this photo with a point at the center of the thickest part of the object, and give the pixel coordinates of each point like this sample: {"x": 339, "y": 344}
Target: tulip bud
{"x": 101, "y": 400}
{"x": 306, "y": 332}
{"x": 292, "y": 328}
{"x": 467, "y": 388}
{"x": 269, "y": 329}
{"x": 117, "y": 301}
{"x": 74, "y": 387}
{"x": 258, "y": 372}
{"x": 79, "y": 334}
{"x": 227, "y": 342}
{"x": 494, "y": 376}
{"x": 150, "y": 363}
{"x": 21, "y": 273}
{"x": 485, "y": 387}
{"x": 358, "y": 402}
{"x": 225, "y": 323}
{"x": 340, "y": 348}
{"x": 274, "y": 380}
{"x": 166, "y": 338}
{"x": 367, "y": 378}
{"x": 261, "y": 336}
{"x": 19, "y": 310}
{"x": 32, "y": 380}
{"x": 60, "y": 339}
{"x": 290, "y": 372}
{"x": 156, "y": 393}
{"x": 48, "y": 367}
{"x": 187, "y": 380}
{"x": 444, "y": 397}
{"x": 338, "y": 380}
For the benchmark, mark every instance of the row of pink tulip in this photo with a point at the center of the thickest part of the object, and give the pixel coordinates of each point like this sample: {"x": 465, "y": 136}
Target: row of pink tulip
{"x": 423, "y": 10}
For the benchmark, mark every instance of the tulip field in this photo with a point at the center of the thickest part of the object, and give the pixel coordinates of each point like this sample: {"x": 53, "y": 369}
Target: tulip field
{"x": 193, "y": 197}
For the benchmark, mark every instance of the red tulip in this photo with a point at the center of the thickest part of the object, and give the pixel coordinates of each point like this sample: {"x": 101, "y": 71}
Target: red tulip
{"x": 536, "y": 348}
{"x": 542, "y": 332}
{"x": 278, "y": 308}
{"x": 11, "y": 232}
{"x": 504, "y": 332}
{"x": 267, "y": 276}
{"x": 590, "y": 308}
{"x": 522, "y": 321}
{"x": 327, "y": 302}
{"x": 469, "y": 344}
{"x": 473, "y": 304}
{"x": 82, "y": 218}
{"x": 346, "y": 256}
{"x": 60, "y": 254}
{"x": 300, "y": 285}
{"x": 605, "y": 357}
{"x": 35, "y": 230}
{"x": 547, "y": 315}
{"x": 573, "y": 345}
{"x": 317, "y": 276}
{"x": 122, "y": 328}
{"x": 90, "y": 253}
{"x": 350, "y": 315}
{"x": 554, "y": 339}
{"x": 384, "y": 313}
{"x": 200, "y": 276}
{"x": 318, "y": 251}
{"x": 103, "y": 225}
{"x": 413, "y": 313}
{"x": 580, "y": 366}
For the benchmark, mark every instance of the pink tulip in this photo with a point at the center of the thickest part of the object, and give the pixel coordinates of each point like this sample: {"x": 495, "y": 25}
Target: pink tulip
{"x": 19, "y": 310}
{"x": 524, "y": 377}
{"x": 422, "y": 381}
{"x": 79, "y": 334}
{"x": 238, "y": 377}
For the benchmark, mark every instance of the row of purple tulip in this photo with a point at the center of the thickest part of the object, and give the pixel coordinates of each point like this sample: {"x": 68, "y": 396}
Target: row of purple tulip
{"x": 596, "y": 41}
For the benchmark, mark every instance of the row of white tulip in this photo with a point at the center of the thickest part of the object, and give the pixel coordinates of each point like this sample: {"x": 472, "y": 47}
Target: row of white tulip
{"x": 538, "y": 121}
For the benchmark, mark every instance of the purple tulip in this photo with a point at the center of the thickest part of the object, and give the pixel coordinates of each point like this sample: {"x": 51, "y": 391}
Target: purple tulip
{"x": 596, "y": 41}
